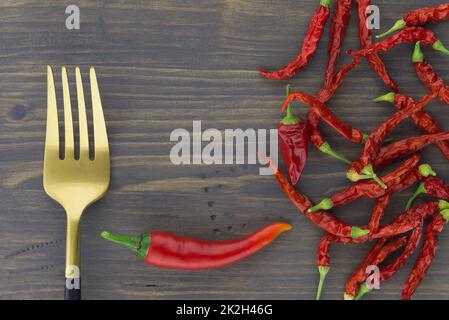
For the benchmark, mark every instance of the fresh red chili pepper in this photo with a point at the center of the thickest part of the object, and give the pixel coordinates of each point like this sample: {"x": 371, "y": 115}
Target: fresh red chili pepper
{"x": 339, "y": 26}
{"x": 369, "y": 189}
{"x": 419, "y": 17}
{"x": 321, "y": 219}
{"x": 412, "y": 34}
{"x": 432, "y": 186}
{"x": 350, "y": 133}
{"x": 293, "y": 135}
{"x": 365, "y": 36}
{"x": 428, "y": 76}
{"x": 309, "y": 46}
{"x": 402, "y": 148}
{"x": 426, "y": 255}
{"x": 363, "y": 167}
{"x": 422, "y": 119}
{"x": 165, "y": 250}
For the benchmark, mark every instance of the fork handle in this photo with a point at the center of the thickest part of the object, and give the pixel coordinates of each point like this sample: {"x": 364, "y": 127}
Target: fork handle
{"x": 72, "y": 261}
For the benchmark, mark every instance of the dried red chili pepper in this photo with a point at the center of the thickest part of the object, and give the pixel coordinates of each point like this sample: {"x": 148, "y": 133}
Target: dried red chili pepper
{"x": 323, "y": 261}
{"x": 350, "y": 133}
{"x": 323, "y": 258}
{"x": 378, "y": 212}
{"x": 369, "y": 189}
{"x": 293, "y": 136}
{"x": 359, "y": 274}
{"x": 412, "y": 34}
{"x": 321, "y": 219}
{"x": 428, "y": 76}
{"x": 432, "y": 186}
{"x": 422, "y": 119}
{"x": 165, "y": 250}
{"x": 408, "y": 220}
{"x": 426, "y": 255}
{"x": 413, "y": 219}
{"x": 365, "y": 36}
{"x": 390, "y": 270}
{"x": 314, "y": 119}
{"x": 419, "y": 17}
{"x": 309, "y": 46}
{"x": 402, "y": 148}
{"x": 339, "y": 26}
{"x": 363, "y": 167}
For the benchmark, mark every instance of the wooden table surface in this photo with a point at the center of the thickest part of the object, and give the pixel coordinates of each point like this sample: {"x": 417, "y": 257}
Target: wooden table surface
{"x": 162, "y": 64}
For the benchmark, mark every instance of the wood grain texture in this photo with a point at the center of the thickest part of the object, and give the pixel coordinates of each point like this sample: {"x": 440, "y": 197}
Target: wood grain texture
{"x": 162, "y": 64}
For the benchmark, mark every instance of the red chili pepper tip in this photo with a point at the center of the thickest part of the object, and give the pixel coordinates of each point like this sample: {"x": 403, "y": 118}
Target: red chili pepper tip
{"x": 363, "y": 289}
{"x": 323, "y": 270}
{"x": 325, "y": 204}
{"x": 438, "y": 46}
{"x": 398, "y": 26}
{"x": 418, "y": 55}
{"x": 389, "y": 97}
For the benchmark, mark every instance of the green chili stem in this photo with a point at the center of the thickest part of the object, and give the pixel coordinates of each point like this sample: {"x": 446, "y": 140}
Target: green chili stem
{"x": 439, "y": 46}
{"x": 363, "y": 289}
{"x": 420, "y": 190}
{"x": 325, "y": 204}
{"x": 327, "y": 149}
{"x": 323, "y": 270}
{"x": 426, "y": 170}
{"x": 357, "y": 232}
{"x": 445, "y": 214}
{"x": 398, "y": 26}
{"x": 389, "y": 97}
{"x": 353, "y": 176}
{"x": 326, "y": 3}
{"x": 131, "y": 242}
{"x": 418, "y": 55}
{"x": 290, "y": 118}
{"x": 443, "y": 204}
{"x": 369, "y": 171}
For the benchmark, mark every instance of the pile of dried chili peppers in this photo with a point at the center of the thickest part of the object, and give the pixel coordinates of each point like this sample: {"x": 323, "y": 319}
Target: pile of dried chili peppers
{"x": 396, "y": 241}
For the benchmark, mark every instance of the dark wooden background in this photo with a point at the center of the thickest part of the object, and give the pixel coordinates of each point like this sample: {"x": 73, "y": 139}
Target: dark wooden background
{"x": 162, "y": 64}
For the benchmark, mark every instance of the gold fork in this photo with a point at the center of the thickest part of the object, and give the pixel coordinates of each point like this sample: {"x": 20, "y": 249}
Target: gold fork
{"x": 75, "y": 183}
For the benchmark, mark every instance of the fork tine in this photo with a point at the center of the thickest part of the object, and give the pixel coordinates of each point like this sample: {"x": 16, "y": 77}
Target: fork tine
{"x": 84, "y": 136}
{"x": 68, "y": 123}
{"x": 100, "y": 134}
{"x": 52, "y": 133}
